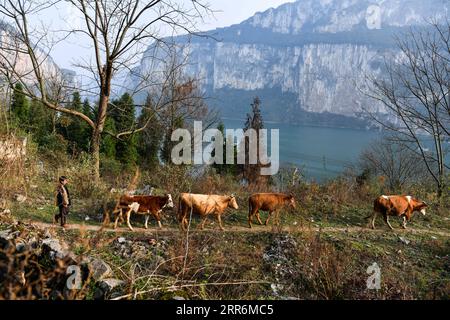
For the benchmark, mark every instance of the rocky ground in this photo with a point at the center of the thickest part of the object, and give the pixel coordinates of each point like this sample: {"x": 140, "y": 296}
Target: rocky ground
{"x": 43, "y": 261}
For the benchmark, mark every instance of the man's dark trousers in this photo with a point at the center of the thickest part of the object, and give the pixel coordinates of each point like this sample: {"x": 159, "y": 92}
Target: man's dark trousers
{"x": 63, "y": 212}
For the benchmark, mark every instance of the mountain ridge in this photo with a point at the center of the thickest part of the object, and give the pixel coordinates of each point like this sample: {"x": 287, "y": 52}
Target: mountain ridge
{"x": 309, "y": 54}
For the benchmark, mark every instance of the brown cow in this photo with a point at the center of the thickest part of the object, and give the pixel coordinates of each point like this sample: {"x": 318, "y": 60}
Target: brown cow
{"x": 271, "y": 202}
{"x": 204, "y": 205}
{"x": 144, "y": 205}
{"x": 401, "y": 206}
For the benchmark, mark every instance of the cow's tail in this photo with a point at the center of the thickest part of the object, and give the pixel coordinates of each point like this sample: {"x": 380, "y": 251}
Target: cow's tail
{"x": 375, "y": 209}
{"x": 180, "y": 212}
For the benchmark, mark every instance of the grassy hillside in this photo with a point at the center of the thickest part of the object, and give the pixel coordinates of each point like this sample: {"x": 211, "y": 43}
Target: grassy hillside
{"x": 320, "y": 250}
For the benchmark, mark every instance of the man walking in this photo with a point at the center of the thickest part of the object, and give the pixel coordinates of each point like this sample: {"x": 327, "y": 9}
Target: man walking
{"x": 62, "y": 200}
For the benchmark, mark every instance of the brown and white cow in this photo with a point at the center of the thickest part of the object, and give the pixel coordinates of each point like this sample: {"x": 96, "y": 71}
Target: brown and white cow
{"x": 401, "y": 206}
{"x": 271, "y": 202}
{"x": 143, "y": 205}
{"x": 204, "y": 205}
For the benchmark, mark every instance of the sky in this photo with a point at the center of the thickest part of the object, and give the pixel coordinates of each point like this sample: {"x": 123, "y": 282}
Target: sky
{"x": 227, "y": 12}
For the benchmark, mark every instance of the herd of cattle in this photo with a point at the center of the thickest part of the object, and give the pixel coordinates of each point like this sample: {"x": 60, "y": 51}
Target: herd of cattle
{"x": 205, "y": 205}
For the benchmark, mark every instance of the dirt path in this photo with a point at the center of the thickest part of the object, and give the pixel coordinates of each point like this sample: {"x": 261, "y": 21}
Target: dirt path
{"x": 239, "y": 229}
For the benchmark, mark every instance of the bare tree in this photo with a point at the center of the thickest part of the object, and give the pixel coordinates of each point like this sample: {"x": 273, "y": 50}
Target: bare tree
{"x": 397, "y": 163}
{"x": 118, "y": 30}
{"x": 416, "y": 92}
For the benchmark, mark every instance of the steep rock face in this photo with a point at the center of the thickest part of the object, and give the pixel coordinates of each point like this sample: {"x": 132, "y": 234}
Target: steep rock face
{"x": 322, "y": 76}
{"x": 312, "y": 55}
{"x": 332, "y": 16}
{"x": 22, "y": 62}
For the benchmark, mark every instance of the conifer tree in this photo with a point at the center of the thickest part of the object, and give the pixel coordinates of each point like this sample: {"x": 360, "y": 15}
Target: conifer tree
{"x": 20, "y": 106}
{"x": 149, "y": 140}
{"x": 124, "y": 113}
{"x": 75, "y": 131}
{"x": 40, "y": 121}
{"x": 251, "y": 172}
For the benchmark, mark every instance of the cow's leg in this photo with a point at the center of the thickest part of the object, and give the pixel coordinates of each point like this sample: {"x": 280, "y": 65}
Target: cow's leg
{"x": 386, "y": 219}
{"x": 254, "y": 211}
{"x": 374, "y": 216}
{"x": 268, "y": 218}
{"x": 118, "y": 215}
{"x": 146, "y": 221}
{"x": 158, "y": 218}
{"x": 202, "y": 225}
{"x": 184, "y": 220}
{"x": 404, "y": 222}
{"x": 128, "y": 214}
{"x": 250, "y": 214}
{"x": 219, "y": 218}
{"x": 259, "y": 218}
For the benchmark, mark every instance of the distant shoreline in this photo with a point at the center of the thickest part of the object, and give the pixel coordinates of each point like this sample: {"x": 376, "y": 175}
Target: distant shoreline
{"x": 306, "y": 125}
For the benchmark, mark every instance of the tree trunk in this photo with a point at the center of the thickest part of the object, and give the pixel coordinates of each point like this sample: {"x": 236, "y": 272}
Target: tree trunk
{"x": 440, "y": 189}
{"x": 95, "y": 152}
{"x": 97, "y": 135}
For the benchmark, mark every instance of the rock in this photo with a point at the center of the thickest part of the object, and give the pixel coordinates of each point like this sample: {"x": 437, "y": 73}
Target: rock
{"x": 98, "y": 268}
{"x": 178, "y": 298}
{"x": 276, "y": 288}
{"x": 5, "y": 212}
{"x": 20, "y": 277}
{"x": 47, "y": 234}
{"x": 54, "y": 249}
{"x": 108, "y": 285}
{"x": 33, "y": 243}
{"x": 5, "y": 239}
{"x": 404, "y": 240}
{"x": 121, "y": 240}
{"x": 20, "y": 198}
{"x": 6, "y": 234}
{"x": 21, "y": 247}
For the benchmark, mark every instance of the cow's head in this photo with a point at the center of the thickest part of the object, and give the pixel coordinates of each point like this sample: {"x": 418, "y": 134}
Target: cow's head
{"x": 420, "y": 206}
{"x": 291, "y": 201}
{"x": 169, "y": 203}
{"x": 232, "y": 203}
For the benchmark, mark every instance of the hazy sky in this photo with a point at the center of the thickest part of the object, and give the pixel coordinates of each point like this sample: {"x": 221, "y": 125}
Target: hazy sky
{"x": 229, "y": 12}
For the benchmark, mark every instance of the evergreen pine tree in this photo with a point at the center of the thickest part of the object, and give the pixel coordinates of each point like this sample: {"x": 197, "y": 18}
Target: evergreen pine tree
{"x": 75, "y": 131}
{"x": 124, "y": 114}
{"x": 40, "y": 121}
{"x": 149, "y": 140}
{"x": 20, "y": 107}
{"x": 226, "y": 168}
{"x": 87, "y": 109}
{"x": 87, "y": 129}
{"x": 108, "y": 145}
{"x": 251, "y": 172}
